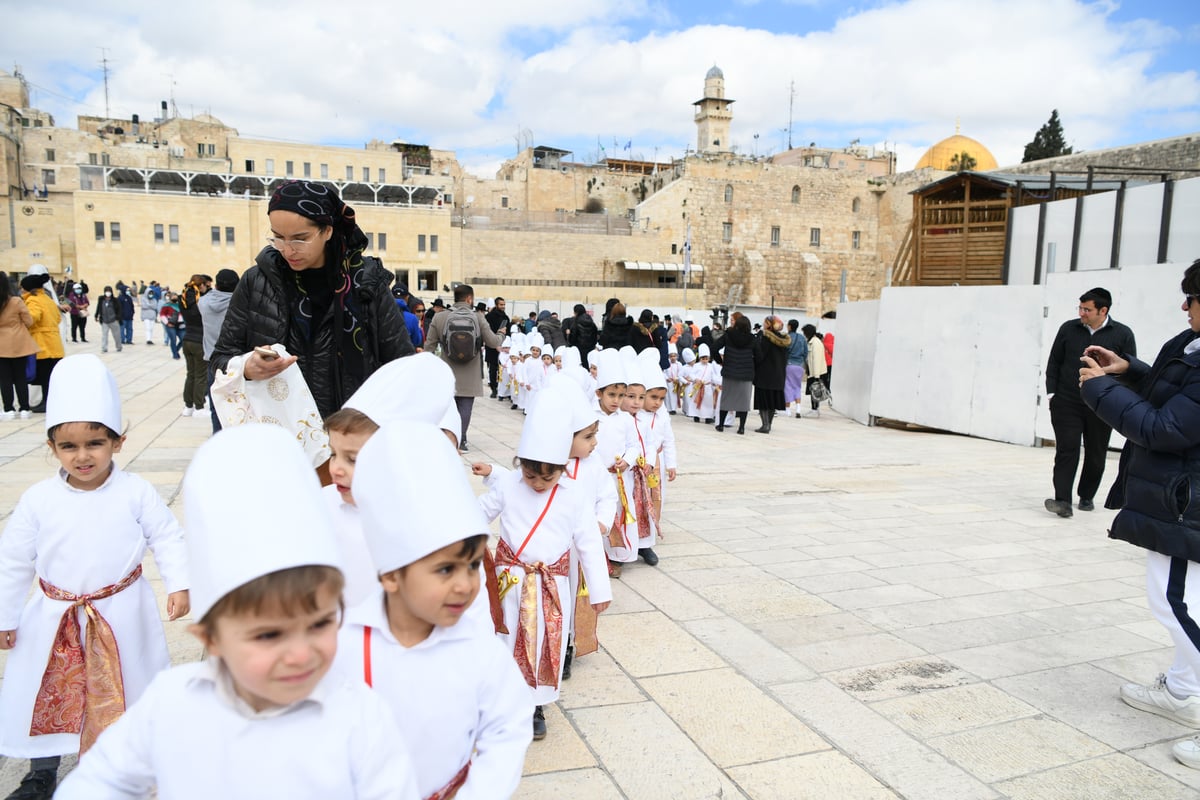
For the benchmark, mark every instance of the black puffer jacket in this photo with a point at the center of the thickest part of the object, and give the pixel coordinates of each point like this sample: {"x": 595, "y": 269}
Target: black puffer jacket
{"x": 615, "y": 333}
{"x": 188, "y": 307}
{"x": 259, "y": 314}
{"x": 1157, "y": 410}
{"x": 738, "y": 358}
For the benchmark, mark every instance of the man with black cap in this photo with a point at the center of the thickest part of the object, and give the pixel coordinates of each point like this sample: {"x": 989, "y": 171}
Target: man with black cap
{"x": 213, "y": 305}
{"x": 400, "y": 292}
{"x": 497, "y": 320}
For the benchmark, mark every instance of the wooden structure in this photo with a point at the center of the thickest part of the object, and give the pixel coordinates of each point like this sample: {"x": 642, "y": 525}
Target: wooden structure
{"x": 959, "y": 228}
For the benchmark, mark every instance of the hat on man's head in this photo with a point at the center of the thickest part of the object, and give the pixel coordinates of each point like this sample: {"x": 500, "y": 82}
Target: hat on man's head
{"x": 252, "y": 506}
{"x": 392, "y": 472}
{"x": 84, "y": 391}
{"x": 227, "y": 280}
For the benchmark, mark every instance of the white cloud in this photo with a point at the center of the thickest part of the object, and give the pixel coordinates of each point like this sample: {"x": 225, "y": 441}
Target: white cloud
{"x": 466, "y": 76}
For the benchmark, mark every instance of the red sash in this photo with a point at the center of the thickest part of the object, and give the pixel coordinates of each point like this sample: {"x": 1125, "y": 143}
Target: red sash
{"x": 542, "y": 669}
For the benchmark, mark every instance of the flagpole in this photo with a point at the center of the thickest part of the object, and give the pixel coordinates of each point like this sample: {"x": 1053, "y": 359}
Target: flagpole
{"x": 687, "y": 267}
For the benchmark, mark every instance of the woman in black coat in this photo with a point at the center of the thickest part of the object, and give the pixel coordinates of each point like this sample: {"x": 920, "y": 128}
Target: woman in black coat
{"x": 640, "y": 335}
{"x": 737, "y": 372}
{"x": 312, "y": 291}
{"x": 617, "y": 328}
{"x": 1157, "y": 409}
{"x": 770, "y": 371}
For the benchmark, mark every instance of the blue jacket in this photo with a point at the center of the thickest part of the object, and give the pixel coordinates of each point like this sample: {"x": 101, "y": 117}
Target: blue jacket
{"x": 1157, "y": 410}
{"x": 798, "y": 352}
{"x": 412, "y": 323}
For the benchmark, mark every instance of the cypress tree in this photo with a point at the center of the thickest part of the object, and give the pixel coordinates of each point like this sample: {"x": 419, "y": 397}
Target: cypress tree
{"x": 1048, "y": 142}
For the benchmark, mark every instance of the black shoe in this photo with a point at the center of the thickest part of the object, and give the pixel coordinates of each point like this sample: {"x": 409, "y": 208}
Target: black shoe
{"x": 1086, "y": 505}
{"x": 649, "y": 556}
{"x": 1060, "y": 507}
{"x": 566, "y": 672}
{"x": 695, "y": 419}
{"x": 672, "y": 413}
{"x": 539, "y": 725}
{"x": 720, "y": 429}
{"x": 762, "y": 430}
{"x": 36, "y": 785}
{"x": 464, "y": 448}
{"x": 514, "y": 407}
{"x": 741, "y": 431}
{"x": 40, "y": 408}
{"x": 493, "y": 394}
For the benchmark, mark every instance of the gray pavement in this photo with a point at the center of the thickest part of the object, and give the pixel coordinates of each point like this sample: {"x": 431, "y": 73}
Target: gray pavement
{"x": 840, "y": 612}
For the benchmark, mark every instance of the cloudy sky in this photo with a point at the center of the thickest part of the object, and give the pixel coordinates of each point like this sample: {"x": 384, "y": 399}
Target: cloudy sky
{"x": 481, "y": 76}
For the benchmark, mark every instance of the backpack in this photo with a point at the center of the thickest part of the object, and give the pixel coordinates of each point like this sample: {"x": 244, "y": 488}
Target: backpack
{"x": 462, "y": 336}
{"x": 685, "y": 338}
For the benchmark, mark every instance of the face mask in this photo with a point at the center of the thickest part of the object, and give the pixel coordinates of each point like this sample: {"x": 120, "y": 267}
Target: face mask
{"x": 79, "y": 291}
{"x": 108, "y": 294}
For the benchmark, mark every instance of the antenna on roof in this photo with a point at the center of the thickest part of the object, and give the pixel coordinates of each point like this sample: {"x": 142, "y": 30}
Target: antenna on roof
{"x": 104, "y": 66}
{"x": 791, "y": 102}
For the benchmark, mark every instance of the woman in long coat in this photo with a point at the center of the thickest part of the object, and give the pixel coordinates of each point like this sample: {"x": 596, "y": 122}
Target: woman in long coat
{"x": 738, "y": 371}
{"x": 45, "y": 331}
{"x": 770, "y": 371}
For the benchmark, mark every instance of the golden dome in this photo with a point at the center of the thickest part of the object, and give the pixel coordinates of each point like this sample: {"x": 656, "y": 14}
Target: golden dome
{"x": 939, "y": 155}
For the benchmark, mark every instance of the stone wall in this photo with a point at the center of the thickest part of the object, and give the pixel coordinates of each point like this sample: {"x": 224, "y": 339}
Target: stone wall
{"x": 1178, "y": 153}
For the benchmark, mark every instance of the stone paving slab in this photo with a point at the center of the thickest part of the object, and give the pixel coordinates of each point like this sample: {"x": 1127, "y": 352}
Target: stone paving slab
{"x": 840, "y": 612}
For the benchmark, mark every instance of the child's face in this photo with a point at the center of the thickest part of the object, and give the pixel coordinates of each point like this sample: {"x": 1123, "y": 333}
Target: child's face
{"x": 654, "y": 400}
{"x": 610, "y": 397}
{"x": 433, "y": 591}
{"x": 594, "y": 370}
{"x": 703, "y": 360}
{"x": 558, "y": 361}
{"x": 276, "y": 659}
{"x": 539, "y": 482}
{"x": 672, "y": 357}
{"x": 344, "y": 449}
{"x": 584, "y": 441}
{"x": 635, "y": 395}
{"x": 84, "y": 453}
{"x": 547, "y": 359}
{"x": 536, "y": 352}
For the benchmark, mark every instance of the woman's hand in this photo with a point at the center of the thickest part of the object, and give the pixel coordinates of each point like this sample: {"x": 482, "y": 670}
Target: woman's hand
{"x": 1107, "y": 360}
{"x": 258, "y": 368}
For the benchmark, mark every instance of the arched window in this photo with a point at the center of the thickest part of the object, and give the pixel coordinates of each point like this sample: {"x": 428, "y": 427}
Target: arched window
{"x": 795, "y": 194}
{"x": 855, "y": 204}
{"x": 728, "y": 193}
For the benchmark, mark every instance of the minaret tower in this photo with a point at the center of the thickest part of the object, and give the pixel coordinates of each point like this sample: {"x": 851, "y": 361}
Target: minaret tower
{"x": 713, "y": 115}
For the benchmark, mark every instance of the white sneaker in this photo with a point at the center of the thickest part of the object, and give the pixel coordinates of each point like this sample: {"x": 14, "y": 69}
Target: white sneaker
{"x": 187, "y": 411}
{"x": 1187, "y": 752}
{"x": 25, "y": 414}
{"x": 1157, "y": 700}
{"x": 7, "y": 415}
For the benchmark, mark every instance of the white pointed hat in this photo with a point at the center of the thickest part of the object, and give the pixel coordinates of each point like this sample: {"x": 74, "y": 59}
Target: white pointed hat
{"x": 547, "y": 433}
{"x": 609, "y": 369}
{"x": 571, "y": 357}
{"x": 632, "y": 367}
{"x": 672, "y": 349}
{"x": 702, "y": 351}
{"x": 652, "y": 374}
{"x": 687, "y": 355}
{"x": 564, "y": 390}
{"x": 451, "y": 421}
{"x": 252, "y": 506}
{"x": 433, "y": 490}
{"x": 415, "y": 387}
{"x": 84, "y": 391}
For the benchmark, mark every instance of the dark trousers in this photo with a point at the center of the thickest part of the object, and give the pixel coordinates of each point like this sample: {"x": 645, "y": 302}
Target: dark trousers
{"x": 78, "y": 328}
{"x": 212, "y": 408}
{"x": 12, "y": 376}
{"x": 492, "y": 357}
{"x": 195, "y": 385}
{"x": 1074, "y": 422}
{"x": 126, "y": 331}
{"x": 45, "y": 366}
{"x": 465, "y": 406}
{"x": 173, "y": 339}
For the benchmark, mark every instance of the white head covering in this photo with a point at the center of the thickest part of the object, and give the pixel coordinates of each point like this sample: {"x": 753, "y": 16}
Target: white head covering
{"x": 507, "y": 343}
{"x": 672, "y": 349}
{"x": 547, "y": 433}
{"x": 84, "y": 391}
{"x": 252, "y": 506}
{"x": 563, "y": 390}
{"x": 632, "y": 366}
{"x": 688, "y": 355}
{"x": 652, "y": 374}
{"x": 609, "y": 369}
{"x": 570, "y": 357}
{"x": 535, "y": 340}
{"x": 451, "y": 421}
{"x": 558, "y": 351}
{"x": 437, "y": 512}
{"x": 627, "y": 351}
{"x": 702, "y": 351}
{"x": 415, "y": 387}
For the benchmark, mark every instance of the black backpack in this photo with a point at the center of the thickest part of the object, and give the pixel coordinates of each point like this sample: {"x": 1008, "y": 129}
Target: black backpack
{"x": 462, "y": 336}
{"x": 584, "y": 334}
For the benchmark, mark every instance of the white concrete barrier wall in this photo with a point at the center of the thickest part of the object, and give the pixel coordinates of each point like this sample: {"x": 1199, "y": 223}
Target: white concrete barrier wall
{"x": 854, "y": 358}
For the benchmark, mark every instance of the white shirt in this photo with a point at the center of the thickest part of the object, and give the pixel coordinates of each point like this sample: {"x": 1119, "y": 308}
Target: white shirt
{"x": 456, "y": 692}
{"x": 188, "y": 738}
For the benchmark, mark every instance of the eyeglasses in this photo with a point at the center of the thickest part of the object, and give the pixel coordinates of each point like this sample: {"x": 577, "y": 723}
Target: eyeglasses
{"x": 295, "y": 244}
{"x": 1189, "y": 298}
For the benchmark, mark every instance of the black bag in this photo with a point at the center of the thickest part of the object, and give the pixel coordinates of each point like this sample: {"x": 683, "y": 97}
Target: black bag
{"x": 462, "y": 336}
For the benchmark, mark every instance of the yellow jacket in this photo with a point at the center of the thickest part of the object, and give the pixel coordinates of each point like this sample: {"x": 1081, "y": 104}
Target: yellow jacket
{"x": 46, "y": 317}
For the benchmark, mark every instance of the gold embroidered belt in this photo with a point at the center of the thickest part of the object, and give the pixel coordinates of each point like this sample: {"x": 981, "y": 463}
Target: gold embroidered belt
{"x": 543, "y": 670}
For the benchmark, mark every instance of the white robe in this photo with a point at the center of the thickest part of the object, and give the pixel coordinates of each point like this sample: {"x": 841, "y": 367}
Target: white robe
{"x": 675, "y": 380}
{"x": 644, "y": 444}
{"x": 710, "y": 375}
{"x": 192, "y": 737}
{"x": 504, "y": 380}
{"x": 456, "y": 693}
{"x": 81, "y": 542}
{"x": 566, "y": 522}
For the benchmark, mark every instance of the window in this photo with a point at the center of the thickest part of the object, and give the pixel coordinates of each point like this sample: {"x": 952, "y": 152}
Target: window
{"x": 382, "y": 175}
{"x": 420, "y": 243}
{"x": 100, "y": 231}
{"x": 726, "y": 231}
{"x": 433, "y": 244}
{"x": 382, "y": 241}
{"x": 288, "y": 168}
{"x": 307, "y": 169}
{"x": 114, "y": 231}
{"x": 159, "y": 233}
{"x": 370, "y": 240}
{"x": 504, "y": 202}
{"x": 200, "y": 150}
{"x": 814, "y": 237}
{"x": 104, "y": 159}
{"x": 229, "y": 235}
{"x": 173, "y": 234}
{"x": 774, "y": 236}
{"x": 324, "y": 172}
{"x": 795, "y": 194}
{"x": 855, "y": 239}
{"x": 216, "y": 235}
{"x": 674, "y": 249}
{"x": 270, "y": 166}
{"x": 93, "y": 158}
{"x": 48, "y": 177}
{"x": 250, "y": 166}
{"x": 349, "y": 173}
{"x": 448, "y": 199}
{"x": 49, "y": 154}
{"x": 427, "y": 280}
{"x": 366, "y": 174}
{"x": 855, "y": 204}
{"x": 728, "y": 193}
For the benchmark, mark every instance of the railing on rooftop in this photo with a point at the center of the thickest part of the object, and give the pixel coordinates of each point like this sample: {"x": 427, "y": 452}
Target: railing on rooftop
{"x": 508, "y": 219}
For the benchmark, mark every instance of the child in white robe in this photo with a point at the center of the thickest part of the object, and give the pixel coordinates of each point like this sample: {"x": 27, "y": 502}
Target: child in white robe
{"x": 263, "y": 715}
{"x": 83, "y": 534}
{"x": 541, "y": 517}
{"x": 705, "y": 378}
{"x": 504, "y": 376}
{"x": 461, "y": 704}
{"x": 688, "y": 358}
{"x": 638, "y": 535}
{"x": 655, "y": 417}
{"x": 674, "y": 377}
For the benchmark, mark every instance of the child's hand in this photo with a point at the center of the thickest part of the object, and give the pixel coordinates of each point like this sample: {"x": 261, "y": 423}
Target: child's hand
{"x": 621, "y": 465}
{"x": 670, "y": 474}
{"x": 599, "y": 607}
{"x": 481, "y": 469}
{"x": 178, "y": 604}
{"x": 8, "y": 639}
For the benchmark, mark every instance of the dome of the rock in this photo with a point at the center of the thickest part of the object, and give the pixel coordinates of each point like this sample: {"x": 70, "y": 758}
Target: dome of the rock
{"x": 940, "y": 155}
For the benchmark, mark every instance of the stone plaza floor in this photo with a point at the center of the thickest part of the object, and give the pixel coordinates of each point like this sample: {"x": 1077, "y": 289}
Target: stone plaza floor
{"x": 840, "y": 612}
